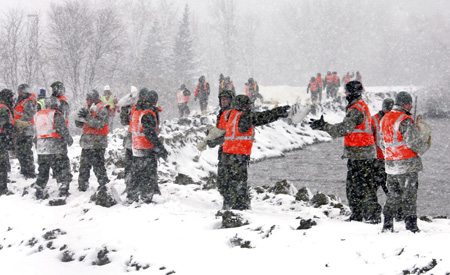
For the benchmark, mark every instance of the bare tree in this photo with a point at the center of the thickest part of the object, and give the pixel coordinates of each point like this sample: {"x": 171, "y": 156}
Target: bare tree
{"x": 32, "y": 51}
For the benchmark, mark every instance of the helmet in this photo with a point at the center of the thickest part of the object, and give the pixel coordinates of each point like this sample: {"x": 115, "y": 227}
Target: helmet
{"x": 328, "y": 72}
{"x": 318, "y": 74}
{"x": 23, "y": 88}
{"x": 251, "y": 81}
{"x": 403, "y": 98}
{"x": 387, "y": 105}
{"x": 42, "y": 93}
{"x": 313, "y": 78}
{"x": 227, "y": 93}
{"x": 202, "y": 78}
{"x": 93, "y": 94}
{"x": 148, "y": 96}
{"x": 334, "y": 72}
{"x": 52, "y": 103}
{"x": 242, "y": 103}
{"x": 182, "y": 87}
{"x": 354, "y": 88}
{"x": 58, "y": 87}
{"x": 107, "y": 88}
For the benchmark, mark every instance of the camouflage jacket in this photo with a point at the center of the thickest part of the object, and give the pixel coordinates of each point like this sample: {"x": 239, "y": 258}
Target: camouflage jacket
{"x": 48, "y": 146}
{"x": 8, "y": 128}
{"x": 88, "y": 141}
{"x": 352, "y": 119}
{"x": 414, "y": 142}
{"x": 29, "y": 110}
{"x": 125, "y": 117}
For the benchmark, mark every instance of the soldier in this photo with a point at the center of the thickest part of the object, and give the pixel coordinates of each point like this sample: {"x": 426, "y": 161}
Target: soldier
{"x": 94, "y": 141}
{"x": 328, "y": 83}
{"x": 320, "y": 84}
{"x": 240, "y": 134}
{"x": 225, "y": 99}
{"x": 59, "y": 91}
{"x": 53, "y": 137}
{"x": 314, "y": 88}
{"x": 253, "y": 91}
{"x": 202, "y": 92}
{"x": 147, "y": 148}
{"x": 23, "y": 114}
{"x": 229, "y": 85}
{"x": 336, "y": 85}
{"x": 347, "y": 78}
{"x": 360, "y": 151}
{"x": 222, "y": 83}
{"x": 110, "y": 99}
{"x": 6, "y": 132}
{"x": 402, "y": 145}
{"x": 183, "y": 96}
{"x": 41, "y": 100}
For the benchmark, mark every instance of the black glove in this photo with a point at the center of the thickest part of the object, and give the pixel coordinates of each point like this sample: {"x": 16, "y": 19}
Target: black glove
{"x": 211, "y": 143}
{"x": 317, "y": 124}
{"x": 83, "y": 113}
{"x": 162, "y": 153}
{"x": 282, "y": 111}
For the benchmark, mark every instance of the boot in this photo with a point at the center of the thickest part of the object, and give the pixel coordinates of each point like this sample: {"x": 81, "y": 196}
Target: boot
{"x": 411, "y": 224}
{"x": 388, "y": 224}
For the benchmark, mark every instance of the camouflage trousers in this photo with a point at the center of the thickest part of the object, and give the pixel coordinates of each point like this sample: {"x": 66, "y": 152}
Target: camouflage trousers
{"x": 144, "y": 179}
{"x": 4, "y": 163}
{"x": 183, "y": 109}
{"x": 60, "y": 164}
{"x": 203, "y": 103}
{"x": 24, "y": 144}
{"x": 402, "y": 194}
{"x": 232, "y": 181}
{"x": 92, "y": 158}
{"x": 361, "y": 191}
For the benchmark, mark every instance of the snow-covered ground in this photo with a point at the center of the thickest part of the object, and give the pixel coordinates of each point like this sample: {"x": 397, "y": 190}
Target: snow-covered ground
{"x": 181, "y": 232}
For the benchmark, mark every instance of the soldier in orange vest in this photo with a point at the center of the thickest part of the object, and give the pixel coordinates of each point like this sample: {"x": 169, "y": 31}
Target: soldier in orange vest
{"x": 6, "y": 136}
{"x": 93, "y": 119}
{"x": 23, "y": 114}
{"x": 147, "y": 148}
{"x": 328, "y": 84}
{"x": 202, "y": 92}
{"x": 360, "y": 150}
{"x": 314, "y": 88}
{"x": 59, "y": 91}
{"x": 53, "y": 137}
{"x": 347, "y": 78}
{"x": 240, "y": 134}
{"x": 183, "y": 96}
{"x": 402, "y": 146}
{"x": 321, "y": 84}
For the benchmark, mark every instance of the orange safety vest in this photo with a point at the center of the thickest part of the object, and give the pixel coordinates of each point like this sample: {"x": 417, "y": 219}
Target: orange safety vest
{"x": 347, "y": 79}
{"x": 236, "y": 142}
{"x": 395, "y": 146}
{"x": 181, "y": 97}
{"x": 137, "y": 130}
{"x": 45, "y": 124}
{"x": 362, "y": 135}
{"x": 222, "y": 123}
{"x": 63, "y": 98}
{"x": 319, "y": 81}
{"x": 10, "y": 116}
{"x": 313, "y": 86}
{"x": 335, "y": 79}
{"x": 376, "y": 127}
{"x": 330, "y": 78}
{"x": 18, "y": 111}
{"x": 91, "y": 130}
{"x": 206, "y": 88}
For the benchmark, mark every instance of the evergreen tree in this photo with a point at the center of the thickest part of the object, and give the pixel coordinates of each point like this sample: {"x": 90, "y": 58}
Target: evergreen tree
{"x": 183, "y": 58}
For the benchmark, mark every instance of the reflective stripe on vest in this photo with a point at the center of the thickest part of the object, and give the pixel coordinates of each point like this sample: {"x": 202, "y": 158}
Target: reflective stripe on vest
{"x": 181, "y": 97}
{"x": 319, "y": 81}
{"x": 18, "y": 111}
{"x": 11, "y": 119}
{"x": 362, "y": 134}
{"x": 140, "y": 141}
{"x": 91, "y": 130}
{"x": 221, "y": 124}
{"x": 396, "y": 148}
{"x": 236, "y": 142}
{"x": 313, "y": 86}
{"x": 329, "y": 78}
{"x": 45, "y": 124}
{"x": 376, "y": 123}
{"x": 41, "y": 102}
{"x": 109, "y": 101}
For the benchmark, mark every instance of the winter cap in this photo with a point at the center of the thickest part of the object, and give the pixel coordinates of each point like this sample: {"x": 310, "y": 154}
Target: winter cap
{"x": 93, "y": 95}
{"x": 57, "y": 84}
{"x": 354, "y": 88}
{"x": 148, "y": 96}
{"x": 227, "y": 93}
{"x": 107, "y": 88}
{"x": 403, "y": 98}
{"x": 242, "y": 103}
{"x": 23, "y": 87}
{"x": 42, "y": 92}
{"x": 182, "y": 87}
{"x": 388, "y": 104}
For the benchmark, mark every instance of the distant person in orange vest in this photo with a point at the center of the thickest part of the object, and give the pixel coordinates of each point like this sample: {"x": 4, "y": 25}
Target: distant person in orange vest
{"x": 320, "y": 84}
{"x": 314, "y": 88}
{"x": 347, "y": 78}
{"x": 183, "y": 96}
{"x": 229, "y": 85}
{"x": 6, "y": 136}
{"x": 356, "y": 128}
{"x": 23, "y": 114}
{"x": 358, "y": 77}
{"x": 109, "y": 98}
{"x": 53, "y": 137}
{"x": 222, "y": 83}
{"x": 59, "y": 91}
{"x": 94, "y": 141}
{"x": 336, "y": 85}
{"x": 402, "y": 145}
{"x": 329, "y": 84}
{"x": 240, "y": 134}
{"x": 202, "y": 92}
{"x": 253, "y": 91}
{"x": 147, "y": 148}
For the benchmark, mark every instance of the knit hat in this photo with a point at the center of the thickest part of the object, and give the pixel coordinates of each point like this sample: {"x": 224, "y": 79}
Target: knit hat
{"x": 403, "y": 98}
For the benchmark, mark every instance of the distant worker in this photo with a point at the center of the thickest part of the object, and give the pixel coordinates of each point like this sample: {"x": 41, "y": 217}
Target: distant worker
{"x": 402, "y": 145}
{"x": 183, "y": 96}
{"x": 109, "y": 98}
{"x": 358, "y": 77}
{"x": 314, "y": 88}
{"x": 41, "y": 100}
{"x": 221, "y": 83}
{"x": 229, "y": 85}
{"x": 360, "y": 151}
{"x": 59, "y": 91}
{"x": 320, "y": 84}
{"x": 336, "y": 85}
{"x": 329, "y": 84}
{"x": 253, "y": 91}
{"x": 202, "y": 92}
{"x": 23, "y": 114}
{"x": 347, "y": 78}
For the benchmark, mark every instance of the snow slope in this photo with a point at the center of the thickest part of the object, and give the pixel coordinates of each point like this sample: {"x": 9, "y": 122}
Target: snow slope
{"x": 181, "y": 234}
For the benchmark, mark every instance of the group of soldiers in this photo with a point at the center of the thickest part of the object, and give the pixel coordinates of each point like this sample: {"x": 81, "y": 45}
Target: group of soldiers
{"x": 382, "y": 150}
{"x": 331, "y": 83}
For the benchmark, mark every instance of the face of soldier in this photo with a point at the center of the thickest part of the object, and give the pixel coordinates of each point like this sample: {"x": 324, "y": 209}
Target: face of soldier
{"x": 224, "y": 101}
{"x": 89, "y": 101}
{"x": 408, "y": 107}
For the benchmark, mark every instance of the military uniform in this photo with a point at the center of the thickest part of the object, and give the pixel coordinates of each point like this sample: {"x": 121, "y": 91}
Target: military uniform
{"x": 202, "y": 92}
{"x": 402, "y": 146}
{"x": 6, "y": 141}
{"x": 125, "y": 118}
{"x": 183, "y": 96}
{"x": 24, "y": 111}
{"x": 52, "y": 139}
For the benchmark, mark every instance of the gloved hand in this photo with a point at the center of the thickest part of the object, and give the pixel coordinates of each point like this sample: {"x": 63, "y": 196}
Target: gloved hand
{"x": 317, "y": 124}
{"x": 83, "y": 113}
{"x": 211, "y": 143}
{"x": 282, "y": 111}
